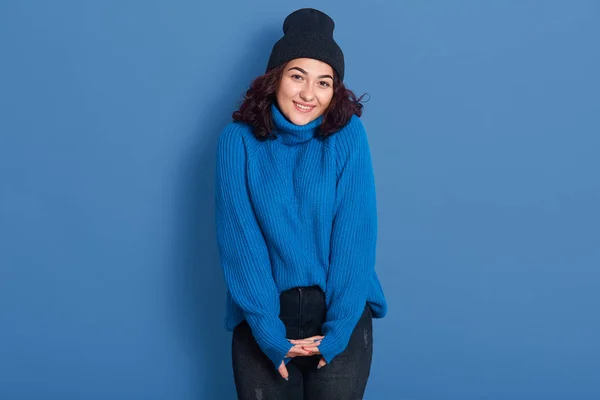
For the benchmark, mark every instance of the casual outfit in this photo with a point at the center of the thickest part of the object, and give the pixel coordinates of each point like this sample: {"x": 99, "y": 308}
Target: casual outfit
{"x": 303, "y": 311}
{"x": 296, "y": 216}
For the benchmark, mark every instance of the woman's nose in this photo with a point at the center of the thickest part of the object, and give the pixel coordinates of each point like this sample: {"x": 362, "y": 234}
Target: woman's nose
{"x": 307, "y": 95}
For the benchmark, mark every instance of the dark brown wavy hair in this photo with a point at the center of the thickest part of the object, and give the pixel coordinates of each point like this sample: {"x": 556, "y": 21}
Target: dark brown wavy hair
{"x": 255, "y": 109}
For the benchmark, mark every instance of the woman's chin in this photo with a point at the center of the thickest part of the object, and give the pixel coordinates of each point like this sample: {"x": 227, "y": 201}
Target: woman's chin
{"x": 300, "y": 122}
{"x": 301, "y": 119}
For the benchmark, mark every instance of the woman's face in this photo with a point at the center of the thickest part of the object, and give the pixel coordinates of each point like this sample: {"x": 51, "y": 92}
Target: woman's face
{"x": 305, "y": 90}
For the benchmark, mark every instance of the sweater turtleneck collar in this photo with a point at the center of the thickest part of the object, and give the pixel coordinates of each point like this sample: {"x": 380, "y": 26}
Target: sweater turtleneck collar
{"x": 291, "y": 134}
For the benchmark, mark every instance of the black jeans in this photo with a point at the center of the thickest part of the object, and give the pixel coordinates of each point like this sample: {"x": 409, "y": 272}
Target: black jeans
{"x": 303, "y": 312}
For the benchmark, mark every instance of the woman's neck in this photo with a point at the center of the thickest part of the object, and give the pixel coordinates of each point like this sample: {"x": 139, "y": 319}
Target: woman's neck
{"x": 291, "y": 134}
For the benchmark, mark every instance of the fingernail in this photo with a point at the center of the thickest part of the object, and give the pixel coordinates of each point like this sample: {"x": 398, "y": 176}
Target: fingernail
{"x": 319, "y": 366}
{"x": 287, "y": 379}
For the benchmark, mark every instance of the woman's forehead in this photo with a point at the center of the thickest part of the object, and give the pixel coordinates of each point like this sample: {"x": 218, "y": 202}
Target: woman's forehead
{"x": 310, "y": 65}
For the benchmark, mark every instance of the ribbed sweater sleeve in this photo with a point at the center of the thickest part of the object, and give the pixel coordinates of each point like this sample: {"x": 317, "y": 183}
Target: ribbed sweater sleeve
{"x": 353, "y": 240}
{"x": 242, "y": 248}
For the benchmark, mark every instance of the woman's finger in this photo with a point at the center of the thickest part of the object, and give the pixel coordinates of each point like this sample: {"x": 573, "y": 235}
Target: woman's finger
{"x": 305, "y": 351}
{"x": 299, "y": 341}
{"x": 322, "y": 363}
{"x": 312, "y": 349}
{"x": 313, "y": 338}
{"x": 304, "y": 342}
{"x": 298, "y": 348}
{"x": 297, "y": 351}
{"x": 308, "y": 339}
{"x": 283, "y": 371}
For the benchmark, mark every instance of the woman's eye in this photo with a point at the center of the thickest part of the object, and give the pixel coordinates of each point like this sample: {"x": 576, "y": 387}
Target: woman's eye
{"x": 296, "y": 76}
{"x": 324, "y": 84}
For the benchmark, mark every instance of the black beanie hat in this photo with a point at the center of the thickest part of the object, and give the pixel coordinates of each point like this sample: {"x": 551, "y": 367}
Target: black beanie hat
{"x": 308, "y": 33}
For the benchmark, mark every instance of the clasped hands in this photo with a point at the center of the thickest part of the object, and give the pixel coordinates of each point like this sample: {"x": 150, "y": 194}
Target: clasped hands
{"x": 302, "y": 347}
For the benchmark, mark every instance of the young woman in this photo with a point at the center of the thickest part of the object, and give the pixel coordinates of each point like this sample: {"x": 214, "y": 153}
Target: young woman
{"x": 297, "y": 225}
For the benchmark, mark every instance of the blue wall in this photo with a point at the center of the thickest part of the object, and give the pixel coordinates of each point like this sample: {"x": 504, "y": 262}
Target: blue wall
{"x": 484, "y": 128}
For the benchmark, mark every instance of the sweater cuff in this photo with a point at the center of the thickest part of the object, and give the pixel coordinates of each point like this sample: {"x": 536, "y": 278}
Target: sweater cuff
{"x": 278, "y": 351}
{"x": 274, "y": 345}
{"x": 331, "y": 346}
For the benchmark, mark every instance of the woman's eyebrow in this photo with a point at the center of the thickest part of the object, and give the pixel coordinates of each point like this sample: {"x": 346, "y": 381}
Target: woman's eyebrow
{"x": 304, "y": 72}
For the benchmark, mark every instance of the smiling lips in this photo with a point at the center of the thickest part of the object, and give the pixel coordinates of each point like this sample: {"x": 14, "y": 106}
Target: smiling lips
{"x": 303, "y": 108}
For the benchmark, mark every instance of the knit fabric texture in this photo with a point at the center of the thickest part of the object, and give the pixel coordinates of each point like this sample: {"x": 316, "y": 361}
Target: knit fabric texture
{"x": 297, "y": 210}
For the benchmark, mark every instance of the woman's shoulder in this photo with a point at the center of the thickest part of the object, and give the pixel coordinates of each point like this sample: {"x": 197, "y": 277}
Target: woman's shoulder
{"x": 236, "y": 130}
{"x": 352, "y": 137}
{"x": 237, "y": 137}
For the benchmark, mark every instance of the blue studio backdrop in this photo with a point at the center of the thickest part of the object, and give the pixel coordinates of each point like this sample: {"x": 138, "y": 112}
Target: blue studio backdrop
{"x": 483, "y": 121}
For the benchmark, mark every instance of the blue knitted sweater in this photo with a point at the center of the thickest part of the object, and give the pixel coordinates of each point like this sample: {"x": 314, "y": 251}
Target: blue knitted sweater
{"x": 298, "y": 210}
